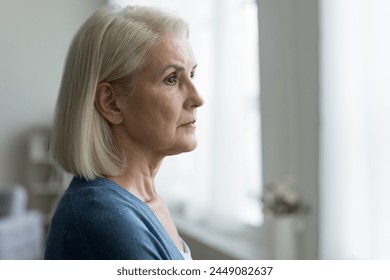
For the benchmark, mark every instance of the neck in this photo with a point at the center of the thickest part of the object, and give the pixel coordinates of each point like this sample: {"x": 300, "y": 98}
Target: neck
{"x": 138, "y": 174}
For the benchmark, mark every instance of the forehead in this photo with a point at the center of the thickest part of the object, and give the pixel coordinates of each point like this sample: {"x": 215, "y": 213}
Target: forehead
{"x": 171, "y": 50}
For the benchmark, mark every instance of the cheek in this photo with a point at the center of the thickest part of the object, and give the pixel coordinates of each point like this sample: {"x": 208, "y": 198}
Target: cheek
{"x": 166, "y": 113}
{"x": 155, "y": 113}
{"x": 159, "y": 120}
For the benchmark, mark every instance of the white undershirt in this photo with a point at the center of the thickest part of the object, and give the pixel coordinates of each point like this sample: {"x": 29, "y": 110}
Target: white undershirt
{"x": 187, "y": 252}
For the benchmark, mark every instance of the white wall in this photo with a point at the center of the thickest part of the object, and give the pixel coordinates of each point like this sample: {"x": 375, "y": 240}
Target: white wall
{"x": 34, "y": 37}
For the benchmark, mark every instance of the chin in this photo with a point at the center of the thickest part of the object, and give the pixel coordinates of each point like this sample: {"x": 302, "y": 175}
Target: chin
{"x": 191, "y": 148}
{"x": 190, "y": 145}
{"x": 184, "y": 148}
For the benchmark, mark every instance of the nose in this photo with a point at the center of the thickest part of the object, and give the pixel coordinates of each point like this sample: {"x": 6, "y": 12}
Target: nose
{"x": 194, "y": 99}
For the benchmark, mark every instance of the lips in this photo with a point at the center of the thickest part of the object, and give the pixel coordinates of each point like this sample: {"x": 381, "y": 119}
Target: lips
{"x": 190, "y": 123}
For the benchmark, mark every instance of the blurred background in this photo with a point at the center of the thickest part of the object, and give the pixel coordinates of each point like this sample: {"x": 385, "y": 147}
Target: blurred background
{"x": 293, "y": 152}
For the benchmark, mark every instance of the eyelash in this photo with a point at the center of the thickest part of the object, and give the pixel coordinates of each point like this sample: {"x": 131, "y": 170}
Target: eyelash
{"x": 169, "y": 80}
{"x": 175, "y": 80}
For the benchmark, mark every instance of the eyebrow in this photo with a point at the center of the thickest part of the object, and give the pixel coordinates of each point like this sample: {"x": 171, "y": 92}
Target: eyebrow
{"x": 178, "y": 68}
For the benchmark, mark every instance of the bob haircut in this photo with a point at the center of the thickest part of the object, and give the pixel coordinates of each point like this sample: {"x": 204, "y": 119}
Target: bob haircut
{"x": 109, "y": 47}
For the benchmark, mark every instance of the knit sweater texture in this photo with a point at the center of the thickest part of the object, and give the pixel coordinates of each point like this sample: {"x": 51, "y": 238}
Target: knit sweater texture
{"x": 99, "y": 219}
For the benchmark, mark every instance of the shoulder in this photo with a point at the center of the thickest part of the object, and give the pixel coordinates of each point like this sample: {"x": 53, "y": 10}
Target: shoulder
{"x": 105, "y": 221}
{"x": 101, "y": 206}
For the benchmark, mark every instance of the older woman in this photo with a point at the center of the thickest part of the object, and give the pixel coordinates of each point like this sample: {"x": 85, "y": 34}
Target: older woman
{"x": 126, "y": 101}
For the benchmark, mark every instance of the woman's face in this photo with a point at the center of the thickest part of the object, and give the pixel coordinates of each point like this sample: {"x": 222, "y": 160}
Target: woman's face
{"x": 160, "y": 112}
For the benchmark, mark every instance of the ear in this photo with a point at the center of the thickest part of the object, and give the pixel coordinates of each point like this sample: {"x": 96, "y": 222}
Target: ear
{"x": 106, "y": 102}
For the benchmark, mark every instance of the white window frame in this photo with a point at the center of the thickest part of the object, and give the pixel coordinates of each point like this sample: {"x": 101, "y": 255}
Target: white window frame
{"x": 290, "y": 106}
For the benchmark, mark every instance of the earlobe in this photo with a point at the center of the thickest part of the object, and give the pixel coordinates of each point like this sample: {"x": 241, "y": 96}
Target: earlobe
{"x": 106, "y": 103}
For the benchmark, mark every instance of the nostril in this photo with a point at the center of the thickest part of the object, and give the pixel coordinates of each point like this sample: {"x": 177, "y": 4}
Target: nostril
{"x": 198, "y": 101}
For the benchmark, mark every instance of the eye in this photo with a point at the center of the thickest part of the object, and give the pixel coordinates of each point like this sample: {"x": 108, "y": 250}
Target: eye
{"x": 171, "y": 80}
{"x": 192, "y": 75}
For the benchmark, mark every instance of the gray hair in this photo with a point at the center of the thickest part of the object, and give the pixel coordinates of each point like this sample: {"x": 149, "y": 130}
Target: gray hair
{"x": 109, "y": 47}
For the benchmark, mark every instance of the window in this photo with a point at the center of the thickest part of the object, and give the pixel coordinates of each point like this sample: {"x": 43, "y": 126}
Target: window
{"x": 355, "y": 148}
{"x": 220, "y": 180}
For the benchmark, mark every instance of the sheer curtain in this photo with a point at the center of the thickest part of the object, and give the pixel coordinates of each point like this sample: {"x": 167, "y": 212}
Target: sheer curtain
{"x": 220, "y": 180}
{"x": 355, "y": 130}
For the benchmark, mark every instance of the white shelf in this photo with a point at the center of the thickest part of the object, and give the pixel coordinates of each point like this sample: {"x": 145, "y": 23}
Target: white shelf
{"x": 38, "y": 146}
{"x": 44, "y": 182}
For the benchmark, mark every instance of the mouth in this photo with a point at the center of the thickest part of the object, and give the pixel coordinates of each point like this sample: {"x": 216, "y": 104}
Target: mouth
{"x": 190, "y": 124}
